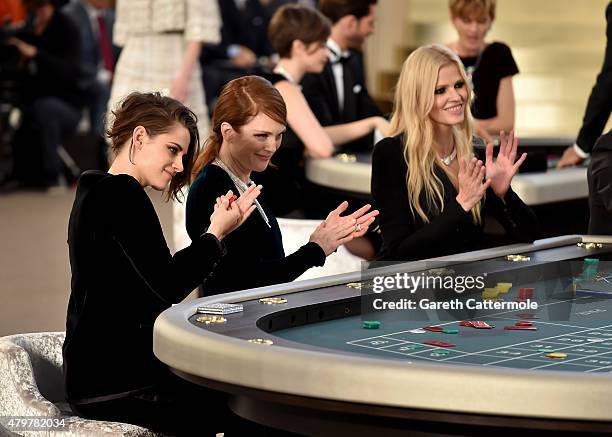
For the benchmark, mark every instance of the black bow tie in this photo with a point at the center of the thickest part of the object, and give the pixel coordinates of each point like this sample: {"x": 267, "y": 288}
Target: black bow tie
{"x": 339, "y": 58}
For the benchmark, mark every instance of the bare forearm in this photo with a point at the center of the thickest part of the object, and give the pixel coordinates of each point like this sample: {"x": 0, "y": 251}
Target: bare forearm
{"x": 344, "y": 133}
{"x": 495, "y": 124}
{"x": 505, "y": 104}
{"x": 190, "y": 57}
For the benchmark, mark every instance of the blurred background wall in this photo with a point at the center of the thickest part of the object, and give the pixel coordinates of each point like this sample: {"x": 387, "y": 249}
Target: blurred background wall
{"x": 558, "y": 46}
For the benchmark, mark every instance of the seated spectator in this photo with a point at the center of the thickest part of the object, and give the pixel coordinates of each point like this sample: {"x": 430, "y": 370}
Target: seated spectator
{"x": 12, "y": 22}
{"x": 110, "y": 370}
{"x": 298, "y": 34}
{"x": 52, "y": 104}
{"x": 247, "y": 126}
{"x": 338, "y": 94}
{"x": 600, "y": 186}
{"x": 490, "y": 66}
{"x": 429, "y": 181}
{"x": 244, "y": 47}
{"x": 95, "y": 19}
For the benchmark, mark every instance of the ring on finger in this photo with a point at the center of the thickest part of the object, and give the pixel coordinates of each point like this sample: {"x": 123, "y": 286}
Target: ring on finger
{"x": 358, "y": 227}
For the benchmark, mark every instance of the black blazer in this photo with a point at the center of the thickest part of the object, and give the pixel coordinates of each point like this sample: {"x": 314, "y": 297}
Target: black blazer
{"x": 406, "y": 237}
{"x": 123, "y": 277}
{"x": 247, "y": 27}
{"x": 599, "y": 105}
{"x": 600, "y": 186}
{"x": 57, "y": 62}
{"x": 255, "y": 254}
{"x": 321, "y": 94}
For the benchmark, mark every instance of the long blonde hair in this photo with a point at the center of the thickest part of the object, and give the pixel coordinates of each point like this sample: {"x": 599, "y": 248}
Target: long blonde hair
{"x": 414, "y": 100}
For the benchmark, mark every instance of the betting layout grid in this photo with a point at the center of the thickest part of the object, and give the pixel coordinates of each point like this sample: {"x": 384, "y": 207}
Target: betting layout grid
{"x": 583, "y": 348}
{"x": 594, "y": 354}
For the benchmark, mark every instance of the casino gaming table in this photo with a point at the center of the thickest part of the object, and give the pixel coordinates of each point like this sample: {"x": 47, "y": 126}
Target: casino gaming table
{"x": 303, "y": 361}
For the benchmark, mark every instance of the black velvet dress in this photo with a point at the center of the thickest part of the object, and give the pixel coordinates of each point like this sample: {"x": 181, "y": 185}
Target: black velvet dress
{"x": 123, "y": 277}
{"x": 407, "y": 237}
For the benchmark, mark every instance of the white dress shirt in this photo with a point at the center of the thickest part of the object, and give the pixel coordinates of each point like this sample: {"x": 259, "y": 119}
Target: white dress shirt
{"x": 335, "y": 53}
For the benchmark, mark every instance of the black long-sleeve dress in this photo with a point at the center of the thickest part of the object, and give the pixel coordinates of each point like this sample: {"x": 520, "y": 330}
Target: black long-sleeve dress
{"x": 255, "y": 255}
{"x": 406, "y": 237}
{"x": 123, "y": 277}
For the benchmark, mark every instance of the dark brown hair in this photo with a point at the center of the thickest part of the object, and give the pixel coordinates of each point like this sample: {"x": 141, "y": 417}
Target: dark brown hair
{"x": 295, "y": 22}
{"x": 240, "y": 100}
{"x": 158, "y": 115}
{"x": 472, "y": 8}
{"x": 336, "y": 9}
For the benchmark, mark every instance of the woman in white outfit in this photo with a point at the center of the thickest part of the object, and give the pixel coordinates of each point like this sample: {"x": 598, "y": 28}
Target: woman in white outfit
{"x": 161, "y": 41}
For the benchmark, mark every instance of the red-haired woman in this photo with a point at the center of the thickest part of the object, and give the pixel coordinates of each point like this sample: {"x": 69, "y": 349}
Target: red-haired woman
{"x": 247, "y": 128}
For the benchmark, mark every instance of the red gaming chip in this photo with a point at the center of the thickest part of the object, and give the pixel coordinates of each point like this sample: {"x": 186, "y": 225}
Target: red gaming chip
{"x": 525, "y": 293}
{"x": 439, "y": 343}
{"x": 232, "y": 199}
{"x": 520, "y": 328}
{"x": 433, "y": 328}
{"x": 523, "y": 324}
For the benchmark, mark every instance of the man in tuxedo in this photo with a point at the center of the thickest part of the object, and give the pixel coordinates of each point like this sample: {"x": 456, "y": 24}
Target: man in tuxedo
{"x": 598, "y": 107}
{"x": 339, "y": 94}
{"x": 600, "y": 186}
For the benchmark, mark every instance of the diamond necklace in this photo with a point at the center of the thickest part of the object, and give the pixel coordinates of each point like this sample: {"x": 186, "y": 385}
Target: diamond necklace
{"x": 449, "y": 158}
{"x": 242, "y": 187}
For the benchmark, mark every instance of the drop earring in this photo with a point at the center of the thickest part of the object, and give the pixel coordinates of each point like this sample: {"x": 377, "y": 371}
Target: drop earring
{"x": 131, "y": 153}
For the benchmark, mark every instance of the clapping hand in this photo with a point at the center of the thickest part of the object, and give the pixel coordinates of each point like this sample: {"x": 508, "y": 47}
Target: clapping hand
{"x": 501, "y": 171}
{"x": 472, "y": 185}
{"x": 336, "y": 229}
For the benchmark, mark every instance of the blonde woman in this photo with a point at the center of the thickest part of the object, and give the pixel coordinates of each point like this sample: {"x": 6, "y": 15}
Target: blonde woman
{"x": 431, "y": 190}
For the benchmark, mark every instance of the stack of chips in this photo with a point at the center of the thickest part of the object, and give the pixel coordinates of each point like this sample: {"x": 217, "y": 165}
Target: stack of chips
{"x": 490, "y": 294}
{"x": 589, "y": 268}
{"x": 503, "y": 287}
{"x": 525, "y": 293}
